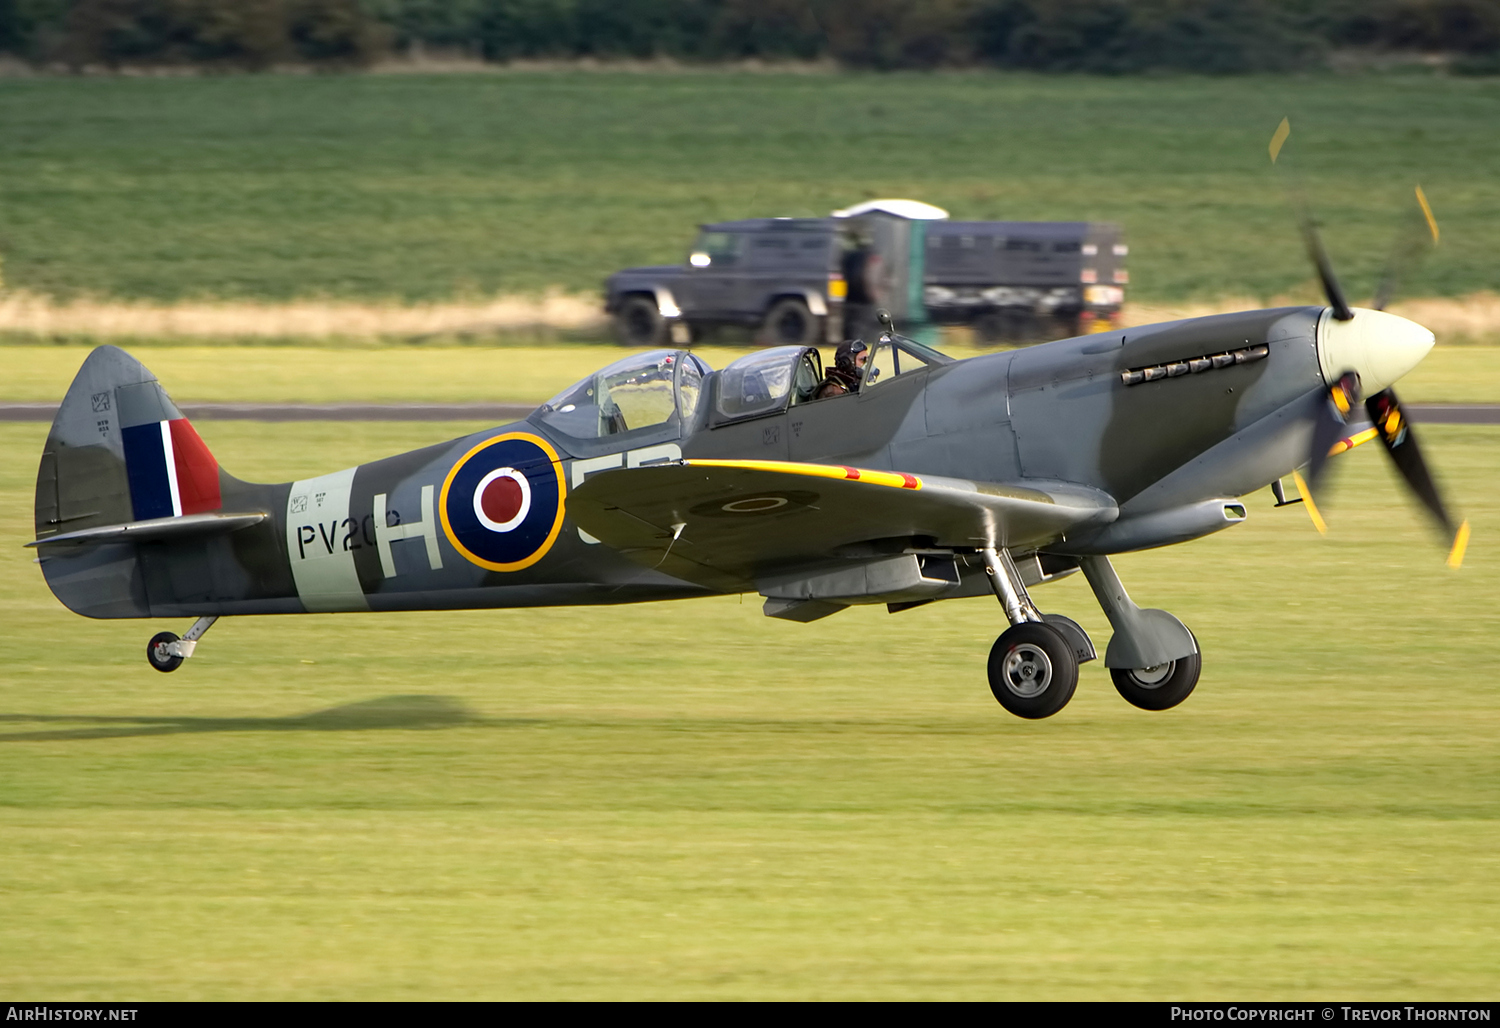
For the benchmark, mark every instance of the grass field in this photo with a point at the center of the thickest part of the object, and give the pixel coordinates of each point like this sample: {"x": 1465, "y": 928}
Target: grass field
{"x": 521, "y": 374}
{"x": 693, "y": 801}
{"x": 430, "y": 187}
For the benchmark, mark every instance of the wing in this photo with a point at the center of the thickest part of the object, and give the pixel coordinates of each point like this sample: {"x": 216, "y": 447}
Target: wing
{"x": 727, "y": 523}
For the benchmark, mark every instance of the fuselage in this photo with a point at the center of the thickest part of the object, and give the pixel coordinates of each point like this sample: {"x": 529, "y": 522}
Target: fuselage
{"x": 1158, "y": 417}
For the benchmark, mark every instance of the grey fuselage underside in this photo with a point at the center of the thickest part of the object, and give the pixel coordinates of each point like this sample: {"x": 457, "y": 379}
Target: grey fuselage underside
{"x": 1058, "y": 412}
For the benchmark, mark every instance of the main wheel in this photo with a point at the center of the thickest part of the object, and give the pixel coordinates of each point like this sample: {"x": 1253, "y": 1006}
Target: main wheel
{"x": 157, "y": 654}
{"x": 639, "y": 323}
{"x": 1161, "y": 687}
{"x": 790, "y": 323}
{"x": 1033, "y": 671}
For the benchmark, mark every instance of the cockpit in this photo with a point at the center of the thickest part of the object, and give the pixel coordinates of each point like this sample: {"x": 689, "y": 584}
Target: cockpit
{"x": 654, "y": 396}
{"x": 646, "y": 395}
{"x": 766, "y": 381}
{"x": 769, "y": 381}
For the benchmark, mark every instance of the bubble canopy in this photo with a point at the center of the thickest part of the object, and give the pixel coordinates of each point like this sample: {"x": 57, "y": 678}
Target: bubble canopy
{"x": 652, "y": 390}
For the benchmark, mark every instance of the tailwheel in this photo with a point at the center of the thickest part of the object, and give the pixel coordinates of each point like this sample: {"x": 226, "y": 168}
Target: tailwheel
{"x": 1033, "y": 670}
{"x": 159, "y": 652}
{"x": 1161, "y": 687}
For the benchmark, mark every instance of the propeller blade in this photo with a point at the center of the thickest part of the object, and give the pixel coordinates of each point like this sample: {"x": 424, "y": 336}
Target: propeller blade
{"x": 1427, "y": 214}
{"x": 1390, "y": 424}
{"x": 1278, "y": 138}
{"x": 1315, "y": 250}
{"x": 1420, "y": 235}
{"x": 1308, "y": 502}
{"x": 1333, "y": 422}
{"x": 1331, "y": 288}
{"x": 1401, "y": 443}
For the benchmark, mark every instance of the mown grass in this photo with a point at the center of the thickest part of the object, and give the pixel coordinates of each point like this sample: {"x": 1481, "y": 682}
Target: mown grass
{"x": 519, "y": 374}
{"x": 413, "y": 187}
{"x": 690, "y": 800}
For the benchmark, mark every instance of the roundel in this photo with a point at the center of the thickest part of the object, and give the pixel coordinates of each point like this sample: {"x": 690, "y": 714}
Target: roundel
{"x": 502, "y": 503}
{"x": 749, "y": 505}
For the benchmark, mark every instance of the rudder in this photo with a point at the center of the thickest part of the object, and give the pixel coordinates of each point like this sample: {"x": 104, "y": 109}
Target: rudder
{"x": 119, "y": 450}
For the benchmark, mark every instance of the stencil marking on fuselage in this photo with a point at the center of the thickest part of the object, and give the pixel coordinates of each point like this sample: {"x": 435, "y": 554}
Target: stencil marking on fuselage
{"x": 319, "y": 543}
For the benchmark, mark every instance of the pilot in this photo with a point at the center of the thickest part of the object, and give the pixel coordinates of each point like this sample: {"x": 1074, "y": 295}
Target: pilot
{"x": 848, "y": 368}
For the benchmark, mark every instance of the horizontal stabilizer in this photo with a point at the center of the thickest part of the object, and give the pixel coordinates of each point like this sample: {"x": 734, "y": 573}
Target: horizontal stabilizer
{"x": 155, "y": 528}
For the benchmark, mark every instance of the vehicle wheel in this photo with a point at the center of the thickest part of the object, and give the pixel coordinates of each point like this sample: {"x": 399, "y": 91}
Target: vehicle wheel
{"x": 1161, "y": 687}
{"x": 639, "y": 323}
{"x": 1033, "y": 671}
{"x": 790, "y": 323}
{"x": 157, "y": 655}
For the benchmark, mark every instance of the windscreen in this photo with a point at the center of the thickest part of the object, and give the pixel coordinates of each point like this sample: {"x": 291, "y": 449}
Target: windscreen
{"x": 716, "y": 249}
{"x": 635, "y": 393}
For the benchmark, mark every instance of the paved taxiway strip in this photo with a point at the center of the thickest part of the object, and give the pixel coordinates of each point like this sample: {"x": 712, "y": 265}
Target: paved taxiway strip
{"x": 500, "y": 413}
{"x": 1455, "y": 413}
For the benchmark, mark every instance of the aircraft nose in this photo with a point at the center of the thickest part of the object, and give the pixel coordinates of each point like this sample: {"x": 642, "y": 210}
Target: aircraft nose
{"x": 1381, "y": 347}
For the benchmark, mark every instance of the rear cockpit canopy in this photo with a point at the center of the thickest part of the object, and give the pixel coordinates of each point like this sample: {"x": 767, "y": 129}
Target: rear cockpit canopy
{"x": 769, "y": 381}
{"x": 765, "y": 381}
{"x": 649, "y": 395}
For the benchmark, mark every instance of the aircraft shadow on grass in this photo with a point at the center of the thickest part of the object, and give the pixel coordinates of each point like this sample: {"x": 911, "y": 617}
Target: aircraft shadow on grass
{"x": 403, "y": 712}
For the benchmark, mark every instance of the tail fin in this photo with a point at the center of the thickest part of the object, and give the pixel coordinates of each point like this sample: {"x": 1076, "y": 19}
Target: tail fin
{"x": 120, "y": 451}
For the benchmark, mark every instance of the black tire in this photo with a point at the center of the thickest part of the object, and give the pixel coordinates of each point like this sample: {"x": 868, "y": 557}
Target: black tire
{"x": 160, "y": 659}
{"x": 638, "y": 322}
{"x": 789, "y": 323}
{"x": 1033, "y": 671}
{"x": 1158, "y": 688}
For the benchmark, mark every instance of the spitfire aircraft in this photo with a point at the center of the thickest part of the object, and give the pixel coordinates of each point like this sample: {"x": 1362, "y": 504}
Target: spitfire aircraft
{"x": 659, "y": 478}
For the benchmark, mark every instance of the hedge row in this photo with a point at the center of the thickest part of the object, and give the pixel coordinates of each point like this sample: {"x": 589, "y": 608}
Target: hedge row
{"x": 1119, "y": 36}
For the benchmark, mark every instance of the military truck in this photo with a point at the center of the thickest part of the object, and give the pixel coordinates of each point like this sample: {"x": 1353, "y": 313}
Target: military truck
{"x": 799, "y": 281}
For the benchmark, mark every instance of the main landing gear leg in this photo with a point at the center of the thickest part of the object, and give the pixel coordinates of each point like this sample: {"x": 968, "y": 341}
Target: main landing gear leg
{"x": 1153, "y": 658}
{"x": 166, "y": 652}
{"x": 1033, "y": 666}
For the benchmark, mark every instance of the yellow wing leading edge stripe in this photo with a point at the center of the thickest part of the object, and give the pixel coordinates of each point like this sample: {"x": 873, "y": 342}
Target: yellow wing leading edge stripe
{"x": 891, "y": 479}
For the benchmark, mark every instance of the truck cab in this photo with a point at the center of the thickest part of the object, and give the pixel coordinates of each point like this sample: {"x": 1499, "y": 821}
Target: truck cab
{"x": 779, "y": 276}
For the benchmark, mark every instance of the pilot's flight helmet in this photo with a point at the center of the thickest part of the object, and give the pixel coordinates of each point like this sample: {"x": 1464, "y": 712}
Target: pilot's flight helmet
{"x": 848, "y": 351}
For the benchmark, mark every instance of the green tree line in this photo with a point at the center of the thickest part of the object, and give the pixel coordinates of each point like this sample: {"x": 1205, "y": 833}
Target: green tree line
{"x": 1109, "y": 36}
